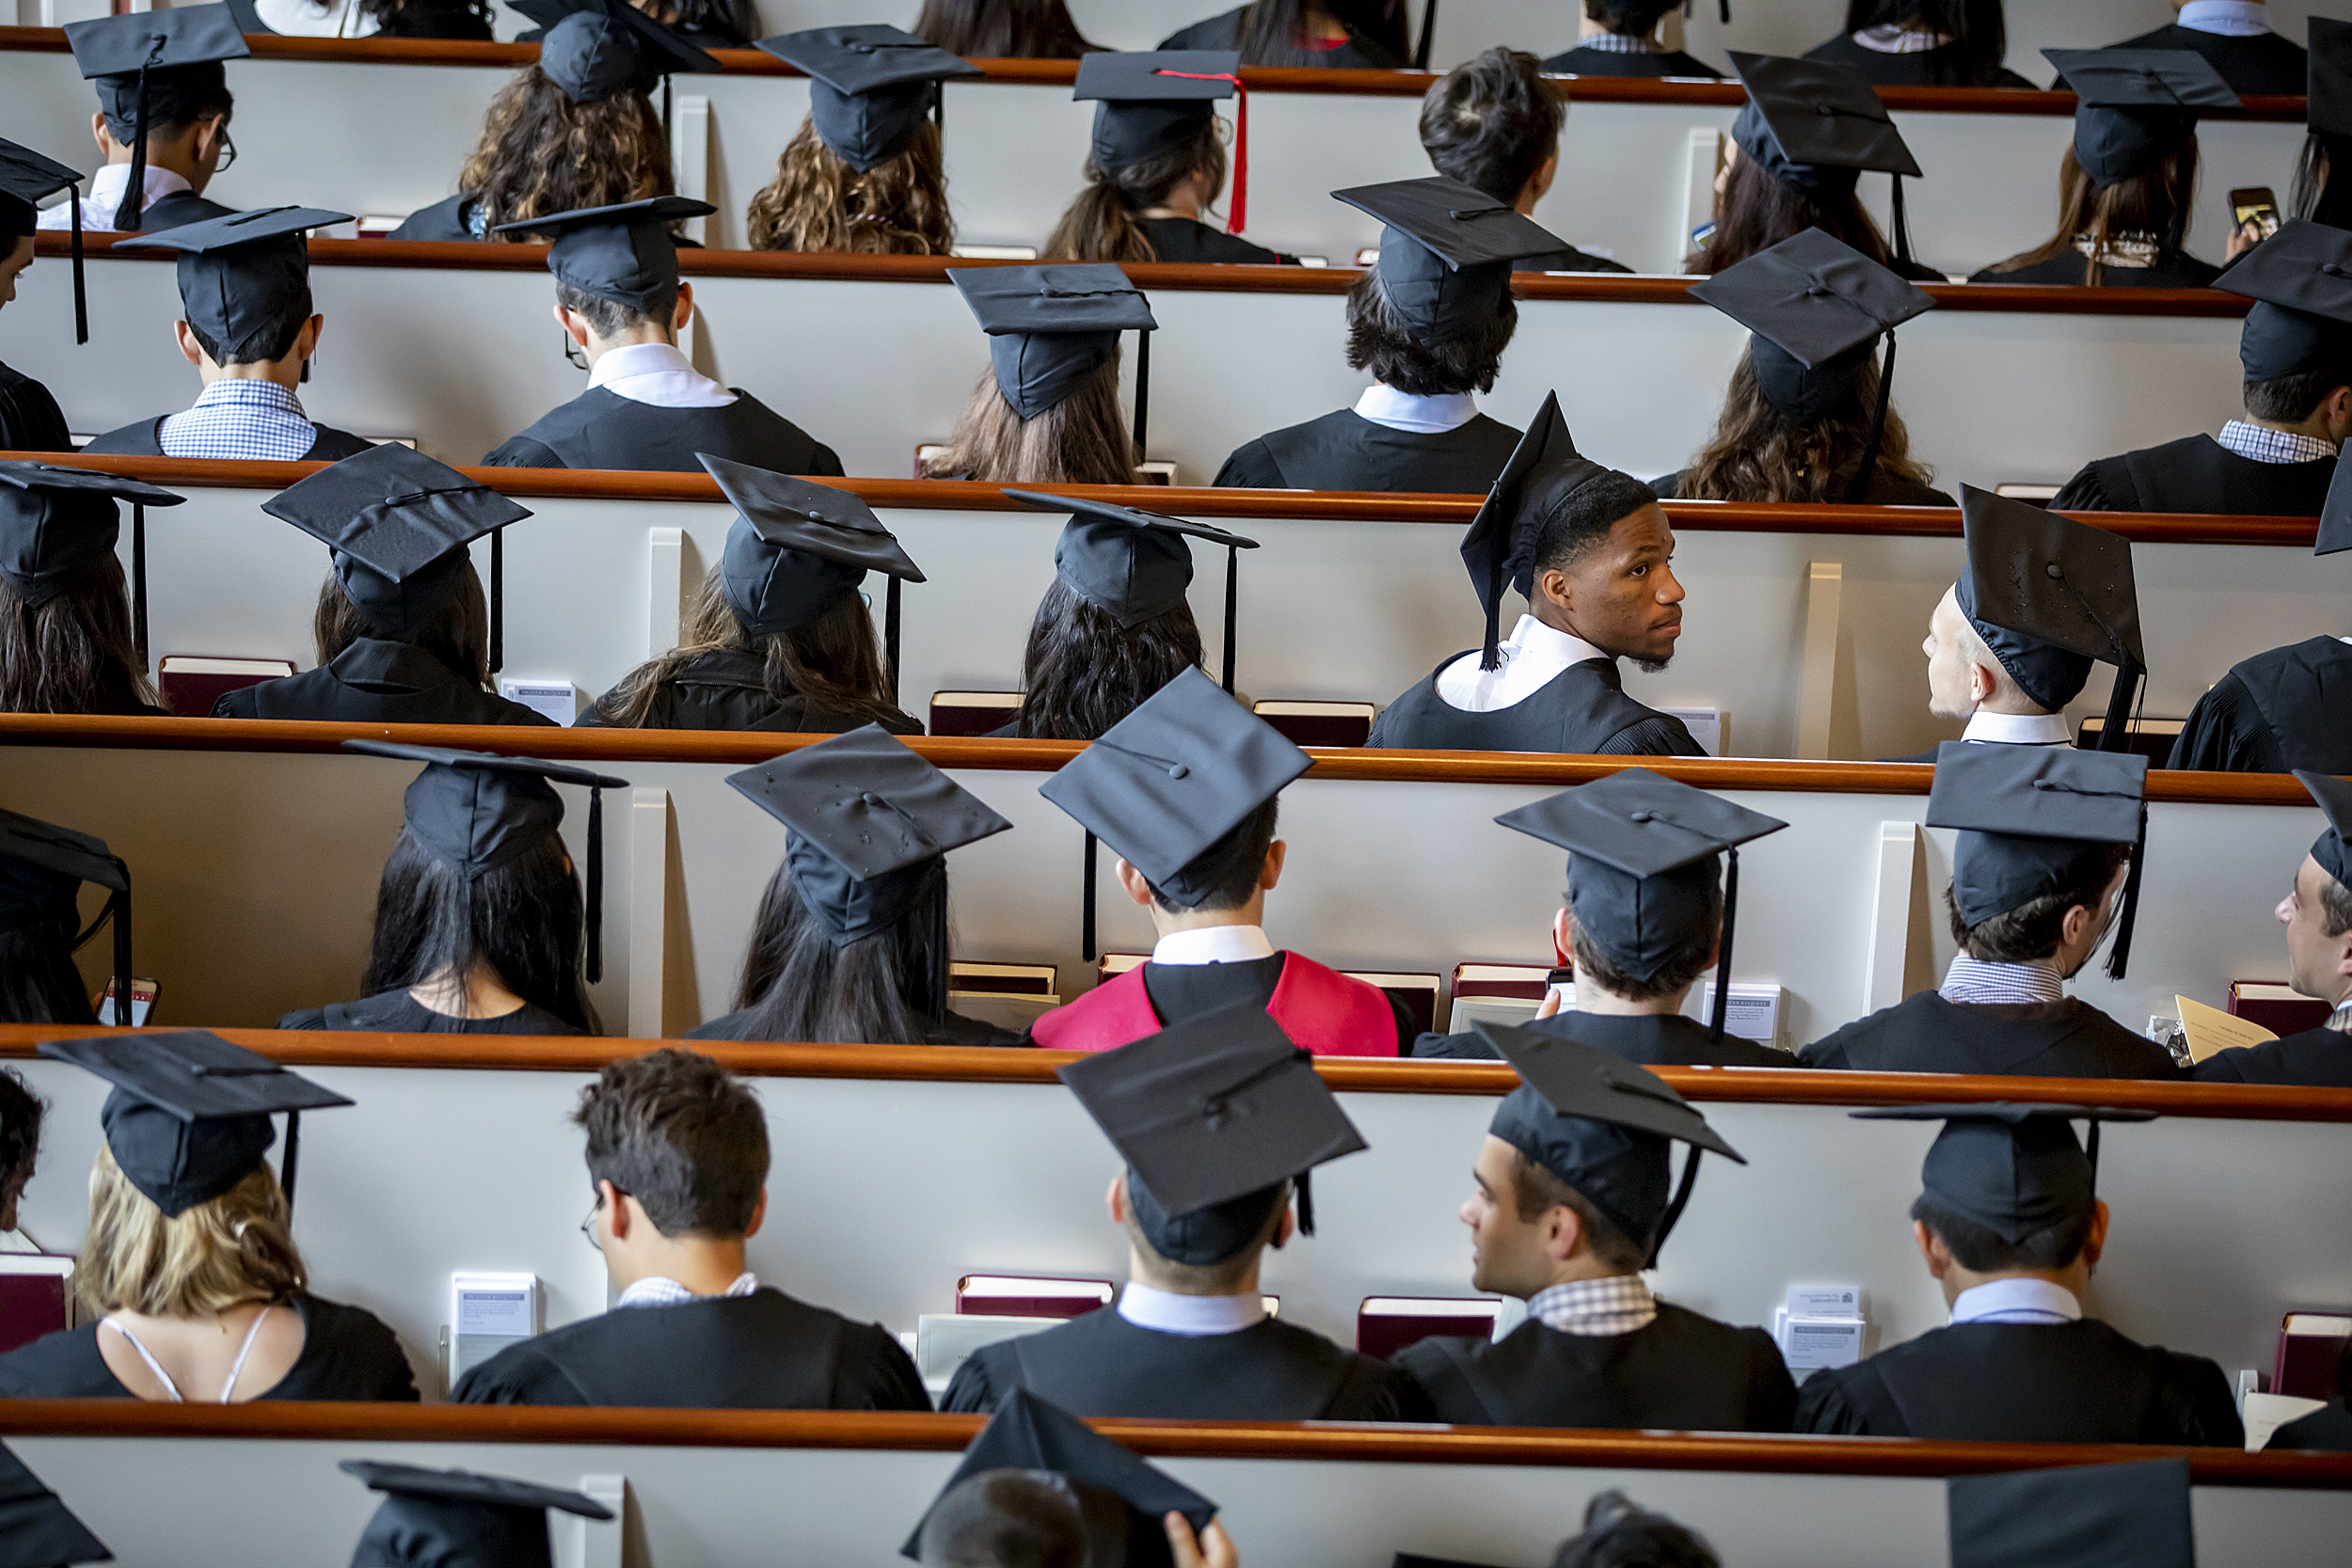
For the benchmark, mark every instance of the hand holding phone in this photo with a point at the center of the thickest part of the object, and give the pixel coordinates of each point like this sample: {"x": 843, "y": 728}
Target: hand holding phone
{"x": 2253, "y": 217}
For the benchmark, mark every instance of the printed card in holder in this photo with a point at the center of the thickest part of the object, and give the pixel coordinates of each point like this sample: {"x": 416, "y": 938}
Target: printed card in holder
{"x": 1819, "y": 1326}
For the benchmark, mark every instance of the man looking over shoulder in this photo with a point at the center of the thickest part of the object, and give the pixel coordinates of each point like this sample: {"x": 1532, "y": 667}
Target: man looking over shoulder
{"x": 2317, "y": 913}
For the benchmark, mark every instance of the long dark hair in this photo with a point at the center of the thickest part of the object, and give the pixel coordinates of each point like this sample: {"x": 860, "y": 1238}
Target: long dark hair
{"x": 834, "y": 661}
{"x": 1977, "y": 28}
{"x": 876, "y": 990}
{"x": 1271, "y": 29}
{"x": 1104, "y": 223}
{"x": 401, "y": 18}
{"x": 1760, "y": 454}
{"x": 75, "y": 654}
{"x": 1084, "y": 671}
{"x": 21, "y": 1113}
{"x": 2155, "y": 202}
{"x": 2315, "y": 199}
{"x": 39, "y": 983}
{"x": 1002, "y": 30}
{"x": 526, "y": 919}
{"x": 459, "y": 636}
{"x": 1759, "y": 210}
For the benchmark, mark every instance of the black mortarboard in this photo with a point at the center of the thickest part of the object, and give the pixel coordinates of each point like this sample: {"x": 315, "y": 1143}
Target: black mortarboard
{"x": 2133, "y": 1516}
{"x": 25, "y": 178}
{"x": 1816, "y": 307}
{"x": 1815, "y": 124}
{"x": 2328, "y": 77}
{"x": 594, "y": 49}
{"x": 36, "y": 1529}
{"x": 2010, "y": 1167}
{"x": 458, "y": 1519}
{"x": 42, "y": 867}
{"x": 870, "y": 85}
{"x": 2335, "y": 515}
{"x": 1132, "y": 564}
{"x": 2332, "y": 849}
{"x": 238, "y": 274}
{"x": 1542, "y": 473}
{"x": 1151, "y": 104}
{"x": 2300, "y": 279}
{"x": 1642, "y": 867}
{"x": 1603, "y": 1125}
{"x": 53, "y": 521}
{"x": 624, "y": 252}
{"x": 2135, "y": 106}
{"x": 477, "y": 811}
{"x": 1212, "y": 1116}
{"x": 1446, "y": 250}
{"x": 1997, "y": 532}
{"x": 1051, "y": 327}
{"x": 2048, "y": 578}
{"x": 189, "y": 1114}
{"x": 153, "y": 68}
{"x": 1025, "y": 1433}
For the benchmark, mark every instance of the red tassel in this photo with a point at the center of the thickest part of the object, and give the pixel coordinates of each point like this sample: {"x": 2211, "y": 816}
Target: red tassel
{"x": 1238, "y": 212}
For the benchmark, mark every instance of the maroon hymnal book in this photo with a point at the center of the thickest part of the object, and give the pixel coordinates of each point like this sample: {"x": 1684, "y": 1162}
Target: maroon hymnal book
{"x": 2277, "y": 1007}
{"x": 1386, "y": 1325}
{"x": 2311, "y": 1351}
{"x": 35, "y": 1297}
{"x": 1014, "y": 1295}
{"x": 193, "y": 682}
{"x": 1320, "y": 724}
{"x": 972, "y": 712}
{"x": 1524, "y": 982}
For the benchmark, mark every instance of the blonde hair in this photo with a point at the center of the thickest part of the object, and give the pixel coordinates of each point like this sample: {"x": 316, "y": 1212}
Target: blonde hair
{"x": 222, "y": 1253}
{"x": 817, "y": 202}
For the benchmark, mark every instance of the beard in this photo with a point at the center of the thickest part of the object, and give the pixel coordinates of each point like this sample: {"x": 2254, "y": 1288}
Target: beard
{"x": 1650, "y": 666}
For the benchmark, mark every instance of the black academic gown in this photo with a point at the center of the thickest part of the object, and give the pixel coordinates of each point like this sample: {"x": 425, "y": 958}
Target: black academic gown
{"x": 1885, "y": 489}
{"x": 1584, "y": 61}
{"x": 2198, "y": 473}
{"x": 398, "y": 1013}
{"x": 1102, "y": 1365}
{"x": 761, "y": 1352}
{"x": 2316, "y": 1058}
{"x": 377, "y": 682}
{"x": 443, "y": 220}
{"x": 600, "y": 429}
{"x": 30, "y": 420}
{"x": 2264, "y": 63}
{"x": 2288, "y": 708}
{"x": 144, "y": 439}
{"x": 1185, "y": 240}
{"x": 1224, "y": 32}
{"x": 1929, "y": 68}
{"x": 435, "y": 19}
{"x": 2328, "y": 1429}
{"x": 1344, "y": 451}
{"x": 1682, "y": 1373}
{"x": 1926, "y": 1034}
{"x": 728, "y": 690}
{"x": 347, "y": 1353}
{"x": 2072, "y": 269}
{"x": 956, "y": 1030}
{"x": 1583, "y": 709}
{"x": 1653, "y": 1040}
{"x": 179, "y": 210}
{"x": 1569, "y": 259}
{"x": 2026, "y": 1383}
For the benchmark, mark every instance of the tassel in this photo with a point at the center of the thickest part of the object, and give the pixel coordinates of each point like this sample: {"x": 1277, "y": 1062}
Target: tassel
{"x": 81, "y": 301}
{"x": 294, "y": 1154}
{"x": 1674, "y": 1209}
{"x": 1902, "y": 223}
{"x": 939, "y": 111}
{"x": 2091, "y": 1152}
{"x": 121, "y": 904}
{"x": 1303, "y": 1186}
{"x": 1086, "y": 905}
{"x": 1237, "y": 212}
{"x": 890, "y": 636}
{"x": 498, "y": 600}
{"x": 138, "y": 584}
{"x": 1491, "y": 657}
{"x": 1862, "y": 477}
{"x": 2120, "y": 955}
{"x": 1722, "y": 950}
{"x": 595, "y": 885}
{"x": 134, "y": 200}
{"x": 1428, "y": 29}
{"x": 666, "y": 132}
{"x": 1143, "y": 389}
{"x": 939, "y": 943}
{"x": 2115, "y": 730}
{"x": 1232, "y": 609}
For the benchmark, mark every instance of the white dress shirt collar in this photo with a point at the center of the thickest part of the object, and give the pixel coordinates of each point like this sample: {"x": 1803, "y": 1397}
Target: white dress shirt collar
{"x": 1213, "y": 944}
{"x": 1534, "y": 655}
{"x": 2016, "y": 1301}
{"x": 1385, "y": 405}
{"x": 1166, "y": 1312}
{"x": 659, "y": 1290}
{"x": 658, "y": 374}
{"x": 2236, "y": 19}
{"x": 2018, "y": 729}
{"x": 105, "y": 194}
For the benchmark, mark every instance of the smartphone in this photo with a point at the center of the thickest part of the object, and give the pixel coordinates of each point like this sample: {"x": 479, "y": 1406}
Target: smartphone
{"x": 143, "y": 995}
{"x": 2254, "y": 206}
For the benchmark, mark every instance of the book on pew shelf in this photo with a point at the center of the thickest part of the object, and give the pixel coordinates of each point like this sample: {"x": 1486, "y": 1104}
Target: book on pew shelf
{"x": 1011, "y": 996}
{"x": 1157, "y": 471}
{"x": 998, "y": 252}
{"x": 192, "y": 683}
{"x": 972, "y": 712}
{"x": 1110, "y": 966}
{"x": 36, "y": 1297}
{"x": 1320, "y": 724}
{"x": 943, "y": 1339}
{"x": 1007, "y": 979}
{"x": 1386, "y": 1325}
{"x": 2151, "y": 739}
{"x": 1007, "y": 1011}
{"x": 1468, "y": 1010}
{"x": 1016, "y": 1295}
{"x": 2278, "y": 1007}
{"x": 2209, "y": 1029}
{"x": 2264, "y": 1414}
{"x": 925, "y": 452}
{"x": 2311, "y": 1351}
{"x": 1499, "y": 994}
{"x": 1416, "y": 992}
{"x": 2032, "y": 495}
{"x": 379, "y": 226}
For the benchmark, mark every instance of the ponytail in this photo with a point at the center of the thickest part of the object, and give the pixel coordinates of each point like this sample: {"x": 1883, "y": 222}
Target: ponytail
{"x": 1104, "y": 223}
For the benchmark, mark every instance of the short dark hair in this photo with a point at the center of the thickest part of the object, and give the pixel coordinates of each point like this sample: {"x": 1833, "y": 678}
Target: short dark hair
{"x": 609, "y": 318}
{"x": 20, "y": 1129}
{"x": 1980, "y": 1251}
{"x": 1620, "y": 1533}
{"x": 2032, "y": 929}
{"x": 2293, "y": 399}
{"x": 683, "y": 1137}
{"x": 1383, "y": 343}
{"x": 2335, "y": 908}
{"x": 1692, "y": 957}
{"x": 1535, "y": 1191}
{"x": 1583, "y": 521}
{"x": 273, "y": 339}
{"x": 1492, "y": 121}
{"x": 1637, "y": 18}
{"x": 1231, "y": 865}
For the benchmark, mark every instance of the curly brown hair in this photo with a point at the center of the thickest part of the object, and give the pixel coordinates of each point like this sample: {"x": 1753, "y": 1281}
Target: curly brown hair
{"x": 1102, "y": 224}
{"x": 1759, "y": 454}
{"x": 541, "y": 153}
{"x": 1082, "y": 439}
{"x": 817, "y": 201}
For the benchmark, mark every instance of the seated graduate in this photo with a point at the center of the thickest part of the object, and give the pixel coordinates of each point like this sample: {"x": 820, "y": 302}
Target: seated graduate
{"x": 2297, "y": 351}
{"x": 779, "y": 637}
{"x": 2235, "y": 38}
{"x": 864, "y": 173}
{"x": 851, "y": 942}
{"x": 1046, "y": 410}
{"x": 163, "y": 115}
{"x": 618, "y": 297}
{"x": 1430, "y": 322}
{"x": 1197, "y": 848}
{"x": 1156, "y": 163}
{"x": 1794, "y": 161}
{"x": 2009, "y": 1225}
{"x": 66, "y": 639}
{"x": 1620, "y": 1533}
{"x": 1494, "y": 123}
{"x": 30, "y": 420}
{"x": 1593, "y": 554}
{"x": 1002, "y": 30}
{"x": 377, "y": 19}
{"x": 1924, "y": 44}
{"x": 1626, "y": 45}
{"x": 21, "y": 1113}
{"x": 677, "y": 1157}
{"x": 459, "y": 1518}
{"x": 586, "y": 94}
{"x": 1809, "y": 415}
{"x": 2128, "y": 179}
{"x": 1645, "y": 917}
{"x": 401, "y": 626}
{"x": 2327, "y": 148}
{"x": 250, "y": 329}
{"x": 42, "y": 867}
{"x": 1337, "y": 35}
{"x": 1573, "y": 1203}
{"x": 1189, "y": 1335}
{"x": 2317, "y": 913}
{"x": 2039, "y": 879}
{"x": 480, "y": 918}
{"x": 189, "y": 1276}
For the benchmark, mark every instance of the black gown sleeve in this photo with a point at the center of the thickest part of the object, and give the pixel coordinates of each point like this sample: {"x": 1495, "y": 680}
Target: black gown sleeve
{"x": 521, "y": 451}
{"x": 30, "y": 420}
{"x": 304, "y": 1018}
{"x": 1661, "y": 737}
{"x": 1250, "y": 468}
{"x": 2201, "y": 1407}
{"x": 878, "y": 1374}
{"x": 972, "y": 1391}
{"x": 1824, "y": 1409}
{"x": 2214, "y": 739}
{"x": 1374, "y": 1391}
{"x": 1771, "y": 1401}
{"x": 824, "y": 462}
{"x": 1466, "y": 1047}
{"x": 2086, "y": 493}
{"x": 518, "y": 1375}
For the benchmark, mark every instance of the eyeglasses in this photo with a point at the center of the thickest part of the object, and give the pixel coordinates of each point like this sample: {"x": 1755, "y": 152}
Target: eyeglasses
{"x": 228, "y": 151}
{"x": 588, "y": 1226}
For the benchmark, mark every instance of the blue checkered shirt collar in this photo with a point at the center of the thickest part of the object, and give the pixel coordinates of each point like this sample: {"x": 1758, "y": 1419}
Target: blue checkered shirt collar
{"x": 1596, "y": 1308}
{"x": 2262, "y": 444}
{"x": 1995, "y": 985}
{"x": 656, "y": 1291}
{"x": 248, "y": 420}
{"x": 1618, "y": 43}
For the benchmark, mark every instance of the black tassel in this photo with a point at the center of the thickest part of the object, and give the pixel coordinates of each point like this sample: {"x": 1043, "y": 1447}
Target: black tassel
{"x": 2120, "y": 955}
{"x": 1303, "y": 1185}
{"x": 1861, "y": 486}
{"x": 939, "y": 111}
{"x": 2115, "y": 730}
{"x": 1232, "y": 609}
{"x": 1491, "y": 657}
{"x": 665, "y": 108}
{"x": 890, "y": 636}
{"x": 1421, "y": 55}
{"x": 120, "y": 905}
{"x": 939, "y": 943}
{"x": 2091, "y": 1152}
{"x": 1902, "y": 224}
{"x": 134, "y": 200}
{"x": 595, "y": 885}
{"x": 1674, "y": 1209}
{"x": 81, "y": 300}
{"x": 498, "y": 600}
{"x": 1723, "y": 949}
{"x": 294, "y": 1155}
{"x": 138, "y": 584}
{"x": 1143, "y": 390}
{"x": 1085, "y": 907}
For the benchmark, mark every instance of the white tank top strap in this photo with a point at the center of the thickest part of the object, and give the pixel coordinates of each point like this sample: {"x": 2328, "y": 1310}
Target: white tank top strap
{"x": 237, "y": 1367}
{"x": 152, "y": 1364}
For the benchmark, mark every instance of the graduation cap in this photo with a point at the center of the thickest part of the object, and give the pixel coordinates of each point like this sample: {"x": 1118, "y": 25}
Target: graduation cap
{"x": 1167, "y": 785}
{"x": 239, "y": 273}
{"x": 871, "y": 824}
{"x": 2332, "y": 849}
{"x": 42, "y": 867}
{"x": 2078, "y": 1516}
{"x": 153, "y": 68}
{"x": 622, "y": 252}
{"x": 477, "y": 811}
{"x": 36, "y": 1529}
{"x": 53, "y": 521}
{"x": 594, "y": 49}
{"x": 396, "y": 523}
{"x": 1603, "y": 1125}
{"x": 1446, "y": 249}
{"x": 1150, "y": 104}
{"x": 1642, "y": 864}
{"x": 1818, "y": 127}
{"x": 2135, "y": 106}
{"x": 189, "y": 1114}
{"x": 1212, "y": 1116}
{"x": 1027, "y": 1436}
{"x": 1051, "y": 327}
{"x": 2048, "y": 578}
{"x": 2300, "y": 279}
{"x": 870, "y": 85}
{"x": 1544, "y": 472}
{"x": 2011, "y": 1168}
{"x": 1132, "y": 564}
{"x": 25, "y": 178}
{"x": 796, "y": 549}
{"x": 458, "y": 1519}
{"x": 2328, "y": 77}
